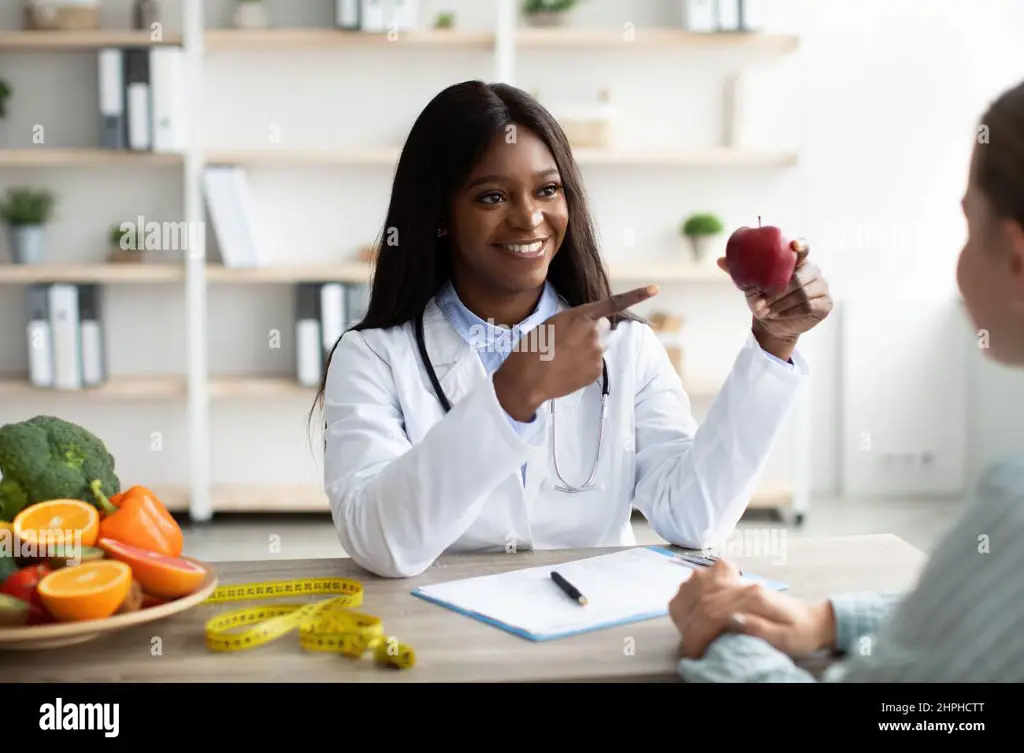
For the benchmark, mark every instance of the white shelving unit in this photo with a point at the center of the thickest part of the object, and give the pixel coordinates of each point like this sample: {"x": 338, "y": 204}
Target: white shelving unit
{"x": 197, "y": 387}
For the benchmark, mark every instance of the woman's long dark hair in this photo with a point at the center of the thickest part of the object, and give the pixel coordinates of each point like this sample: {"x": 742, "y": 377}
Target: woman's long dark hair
{"x": 447, "y": 140}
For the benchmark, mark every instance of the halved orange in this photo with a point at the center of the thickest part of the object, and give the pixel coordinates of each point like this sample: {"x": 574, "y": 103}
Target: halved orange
{"x": 56, "y": 523}
{"x": 160, "y": 576}
{"x": 90, "y": 591}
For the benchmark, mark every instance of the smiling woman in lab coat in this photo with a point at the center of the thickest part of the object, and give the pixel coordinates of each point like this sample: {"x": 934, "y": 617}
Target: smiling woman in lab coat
{"x": 488, "y": 241}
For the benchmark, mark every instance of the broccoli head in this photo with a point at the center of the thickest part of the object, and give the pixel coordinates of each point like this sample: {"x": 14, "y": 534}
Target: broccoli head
{"x": 47, "y": 458}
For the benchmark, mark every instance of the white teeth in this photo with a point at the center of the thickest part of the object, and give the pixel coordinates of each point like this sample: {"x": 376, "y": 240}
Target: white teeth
{"x": 525, "y": 249}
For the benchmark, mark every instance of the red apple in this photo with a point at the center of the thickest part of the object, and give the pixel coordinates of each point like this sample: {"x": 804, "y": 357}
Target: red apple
{"x": 761, "y": 258}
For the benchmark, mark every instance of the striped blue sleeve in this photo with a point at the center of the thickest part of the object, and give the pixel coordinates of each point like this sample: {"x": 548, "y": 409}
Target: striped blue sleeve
{"x": 733, "y": 657}
{"x": 861, "y": 614}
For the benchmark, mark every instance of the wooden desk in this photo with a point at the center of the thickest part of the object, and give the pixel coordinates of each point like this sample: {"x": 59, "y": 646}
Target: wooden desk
{"x": 449, "y": 646}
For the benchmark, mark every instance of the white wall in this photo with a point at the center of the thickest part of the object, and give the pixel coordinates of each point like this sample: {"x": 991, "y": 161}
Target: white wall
{"x": 880, "y": 100}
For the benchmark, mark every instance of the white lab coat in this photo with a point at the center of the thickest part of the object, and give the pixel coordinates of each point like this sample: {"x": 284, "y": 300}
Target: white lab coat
{"x": 407, "y": 483}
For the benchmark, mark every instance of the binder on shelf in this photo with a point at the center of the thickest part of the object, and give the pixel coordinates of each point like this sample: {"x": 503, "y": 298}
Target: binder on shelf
{"x": 112, "y": 96}
{"x": 347, "y": 15}
{"x": 324, "y": 311}
{"x": 64, "y": 323}
{"x": 39, "y": 337}
{"x": 751, "y": 15}
{"x": 403, "y": 15}
{"x": 308, "y": 341}
{"x": 138, "y": 104}
{"x": 700, "y": 16}
{"x": 168, "y": 98}
{"x": 357, "y": 298}
{"x": 94, "y": 370}
{"x": 332, "y": 315}
{"x": 728, "y": 15}
{"x": 372, "y": 16}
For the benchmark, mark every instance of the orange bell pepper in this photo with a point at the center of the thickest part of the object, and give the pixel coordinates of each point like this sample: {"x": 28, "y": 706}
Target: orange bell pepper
{"x": 137, "y": 517}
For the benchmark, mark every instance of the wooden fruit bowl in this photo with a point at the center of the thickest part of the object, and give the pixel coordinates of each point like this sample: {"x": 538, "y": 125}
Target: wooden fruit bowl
{"x": 59, "y": 634}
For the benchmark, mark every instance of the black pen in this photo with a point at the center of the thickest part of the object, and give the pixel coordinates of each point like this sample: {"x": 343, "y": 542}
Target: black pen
{"x": 569, "y": 588}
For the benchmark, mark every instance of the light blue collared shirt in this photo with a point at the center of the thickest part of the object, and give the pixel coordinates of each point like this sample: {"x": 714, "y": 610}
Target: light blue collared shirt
{"x": 493, "y": 343}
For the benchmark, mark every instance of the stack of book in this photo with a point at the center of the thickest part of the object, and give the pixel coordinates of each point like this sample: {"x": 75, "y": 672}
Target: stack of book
{"x": 65, "y": 339}
{"x": 323, "y": 313}
{"x": 376, "y": 16}
{"x": 143, "y": 98}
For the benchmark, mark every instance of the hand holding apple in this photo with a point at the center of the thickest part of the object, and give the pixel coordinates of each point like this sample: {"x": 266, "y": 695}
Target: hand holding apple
{"x": 787, "y": 295}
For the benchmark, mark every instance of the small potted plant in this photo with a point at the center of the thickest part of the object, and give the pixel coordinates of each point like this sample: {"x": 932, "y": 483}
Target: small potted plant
{"x": 26, "y": 212}
{"x": 547, "y": 12}
{"x": 700, "y": 228}
{"x": 444, "y": 20}
{"x": 5, "y": 94}
{"x": 124, "y": 245}
{"x": 251, "y": 14}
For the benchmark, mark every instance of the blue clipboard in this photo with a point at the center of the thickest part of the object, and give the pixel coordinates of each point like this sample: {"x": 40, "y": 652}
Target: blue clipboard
{"x": 543, "y": 637}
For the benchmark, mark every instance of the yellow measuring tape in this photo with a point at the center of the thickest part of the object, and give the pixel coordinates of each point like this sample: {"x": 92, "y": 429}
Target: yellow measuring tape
{"x": 326, "y": 625}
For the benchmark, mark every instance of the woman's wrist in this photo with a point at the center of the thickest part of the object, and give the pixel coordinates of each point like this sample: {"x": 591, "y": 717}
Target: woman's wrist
{"x": 825, "y": 624}
{"x": 781, "y": 348}
{"x": 515, "y": 398}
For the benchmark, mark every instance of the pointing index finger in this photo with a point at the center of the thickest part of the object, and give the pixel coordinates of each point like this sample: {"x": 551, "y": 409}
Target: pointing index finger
{"x": 617, "y": 303}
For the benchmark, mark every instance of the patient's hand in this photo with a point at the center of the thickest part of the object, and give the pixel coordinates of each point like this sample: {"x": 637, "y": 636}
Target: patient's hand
{"x": 703, "y": 607}
{"x": 790, "y": 625}
{"x": 715, "y": 600}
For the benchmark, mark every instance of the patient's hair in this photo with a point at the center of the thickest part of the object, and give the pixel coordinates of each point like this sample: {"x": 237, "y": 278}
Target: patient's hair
{"x": 1000, "y": 162}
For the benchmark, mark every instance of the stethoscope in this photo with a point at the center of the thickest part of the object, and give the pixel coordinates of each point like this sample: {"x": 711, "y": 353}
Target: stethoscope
{"x": 564, "y": 486}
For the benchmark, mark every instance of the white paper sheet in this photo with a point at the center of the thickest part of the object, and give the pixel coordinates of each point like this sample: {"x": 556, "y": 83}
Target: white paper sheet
{"x": 621, "y": 587}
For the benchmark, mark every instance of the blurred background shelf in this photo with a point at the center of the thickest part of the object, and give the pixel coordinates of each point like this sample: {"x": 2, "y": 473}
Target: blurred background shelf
{"x": 91, "y": 273}
{"x": 300, "y": 40}
{"x": 650, "y": 38}
{"x": 129, "y": 387}
{"x": 75, "y": 41}
{"x": 85, "y": 157}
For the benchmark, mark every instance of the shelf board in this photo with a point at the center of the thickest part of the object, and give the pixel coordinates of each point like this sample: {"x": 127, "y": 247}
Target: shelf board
{"x": 84, "y": 157}
{"x": 655, "y": 273}
{"x": 651, "y": 38}
{"x": 222, "y": 387}
{"x": 670, "y": 157}
{"x": 355, "y": 272}
{"x": 388, "y": 156}
{"x": 132, "y": 387}
{"x": 273, "y": 40}
{"x": 303, "y": 157}
{"x": 57, "y": 41}
{"x": 91, "y": 273}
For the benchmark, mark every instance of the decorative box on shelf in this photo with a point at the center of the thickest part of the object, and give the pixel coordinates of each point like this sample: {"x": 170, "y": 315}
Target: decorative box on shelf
{"x": 587, "y": 126}
{"x": 61, "y": 15}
